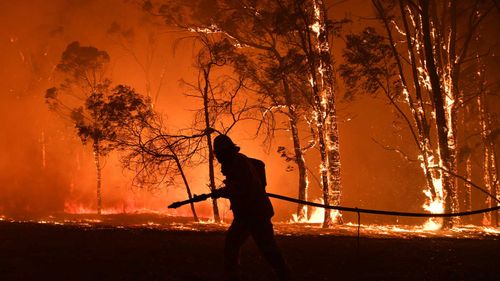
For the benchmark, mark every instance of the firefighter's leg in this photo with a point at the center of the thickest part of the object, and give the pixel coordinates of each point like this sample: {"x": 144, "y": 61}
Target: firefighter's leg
{"x": 235, "y": 237}
{"x": 263, "y": 235}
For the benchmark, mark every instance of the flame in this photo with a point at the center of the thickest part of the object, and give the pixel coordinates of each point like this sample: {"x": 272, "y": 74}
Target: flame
{"x": 486, "y": 220}
{"x": 78, "y": 208}
{"x": 433, "y": 224}
{"x": 433, "y": 204}
{"x": 207, "y": 30}
{"x": 127, "y": 207}
{"x": 317, "y": 215}
{"x": 315, "y": 27}
{"x": 390, "y": 231}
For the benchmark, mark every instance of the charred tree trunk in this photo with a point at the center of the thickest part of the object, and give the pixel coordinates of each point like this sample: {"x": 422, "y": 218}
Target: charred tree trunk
{"x": 297, "y": 148}
{"x": 319, "y": 116}
{"x": 490, "y": 168}
{"x": 328, "y": 82}
{"x": 413, "y": 91}
{"x": 468, "y": 187}
{"x": 314, "y": 41}
{"x": 417, "y": 104}
{"x": 211, "y": 173}
{"x": 301, "y": 165}
{"x": 327, "y": 222}
{"x": 188, "y": 189}
{"x": 455, "y": 91}
{"x": 439, "y": 110}
{"x": 494, "y": 182}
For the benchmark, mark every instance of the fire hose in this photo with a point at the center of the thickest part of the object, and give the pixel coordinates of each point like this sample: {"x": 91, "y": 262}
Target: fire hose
{"x": 202, "y": 197}
{"x": 381, "y": 212}
{"x": 396, "y": 213}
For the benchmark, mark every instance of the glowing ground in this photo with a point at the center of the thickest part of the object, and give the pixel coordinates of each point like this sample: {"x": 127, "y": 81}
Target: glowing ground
{"x": 154, "y": 247}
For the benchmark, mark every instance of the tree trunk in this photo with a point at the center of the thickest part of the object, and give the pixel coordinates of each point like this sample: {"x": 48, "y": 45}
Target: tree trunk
{"x": 490, "y": 169}
{"x": 188, "y": 189}
{"x": 314, "y": 42}
{"x": 494, "y": 181}
{"x": 97, "y": 162}
{"x": 417, "y": 105}
{"x": 212, "y": 177}
{"x": 301, "y": 165}
{"x": 442, "y": 125}
{"x": 328, "y": 86}
{"x": 297, "y": 148}
{"x": 327, "y": 221}
{"x": 415, "y": 100}
{"x": 468, "y": 187}
{"x": 319, "y": 116}
{"x": 211, "y": 173}
{"x": 451, "y": 73}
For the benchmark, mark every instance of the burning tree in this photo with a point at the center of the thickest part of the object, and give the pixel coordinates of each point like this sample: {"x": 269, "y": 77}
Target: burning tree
{"x": 482, "y": 130}
{"x": 192, "y": 16}
{"x": 489, "y": 133}
{"x": 281, "y": 31}
{"x": 421, "y": 78}
{"x": 277, "y": 78}
{"x": 314, "y": 28}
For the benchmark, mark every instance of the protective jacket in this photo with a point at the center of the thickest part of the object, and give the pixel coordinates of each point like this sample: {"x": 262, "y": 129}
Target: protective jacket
{"x": 245, "y": 187}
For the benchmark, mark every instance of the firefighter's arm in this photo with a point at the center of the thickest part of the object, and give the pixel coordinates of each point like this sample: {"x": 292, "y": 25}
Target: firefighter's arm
{"x": 224, "y": 192}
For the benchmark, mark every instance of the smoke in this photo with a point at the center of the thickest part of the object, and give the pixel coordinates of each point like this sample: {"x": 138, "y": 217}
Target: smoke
{"x": 45, "y": 169}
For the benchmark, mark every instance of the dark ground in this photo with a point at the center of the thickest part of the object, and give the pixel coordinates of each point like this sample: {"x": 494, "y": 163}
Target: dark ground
{"x": 32, "y": 251}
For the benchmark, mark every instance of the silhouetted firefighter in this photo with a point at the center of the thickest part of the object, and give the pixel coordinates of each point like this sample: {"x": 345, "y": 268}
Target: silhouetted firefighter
{"x": 245, "y": 185}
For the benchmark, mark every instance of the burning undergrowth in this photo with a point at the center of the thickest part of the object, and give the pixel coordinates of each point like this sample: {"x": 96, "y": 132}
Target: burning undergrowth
{"x": 167, "y": 222}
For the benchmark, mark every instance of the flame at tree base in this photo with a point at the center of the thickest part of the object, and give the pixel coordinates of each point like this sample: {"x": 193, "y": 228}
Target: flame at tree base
{"x": 317, "y": 215}
{"x": 432, "y": 224}
{"x": 434, "y": 207}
